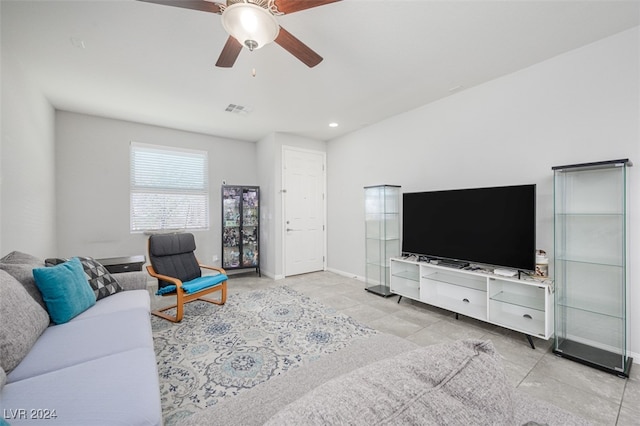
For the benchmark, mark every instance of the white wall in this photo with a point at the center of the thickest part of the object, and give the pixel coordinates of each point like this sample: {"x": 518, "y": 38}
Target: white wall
{"x": 270, "y": 171}
{"x": 269, "y": 206}
{"x": 579, "y": 107}
{"x": 27, "y": 166}
{"x": 92, "y": 180}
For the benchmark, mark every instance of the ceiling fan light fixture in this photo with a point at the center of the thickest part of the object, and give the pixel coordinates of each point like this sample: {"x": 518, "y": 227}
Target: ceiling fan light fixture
{"x": 253, "y": 26}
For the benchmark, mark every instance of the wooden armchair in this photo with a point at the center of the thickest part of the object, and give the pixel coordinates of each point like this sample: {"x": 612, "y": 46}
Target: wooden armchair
{"x": 174, "y": 264}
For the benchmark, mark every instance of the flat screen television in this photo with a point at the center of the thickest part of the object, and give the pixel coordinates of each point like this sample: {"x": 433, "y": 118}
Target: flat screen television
{"x": 494, "y": 226}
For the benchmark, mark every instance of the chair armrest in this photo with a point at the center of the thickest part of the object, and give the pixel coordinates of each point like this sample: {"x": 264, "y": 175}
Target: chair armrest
{"x": 213, "y": 268}
{"x": 134, "y": 280}
{"x": 172, "y": 280}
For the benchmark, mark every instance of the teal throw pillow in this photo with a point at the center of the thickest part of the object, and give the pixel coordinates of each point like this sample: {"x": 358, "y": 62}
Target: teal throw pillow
{"x": 65, "y": 290}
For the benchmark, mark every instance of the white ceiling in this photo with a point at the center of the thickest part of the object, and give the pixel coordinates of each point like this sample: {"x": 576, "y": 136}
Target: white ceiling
{"x": 155, "y": 64}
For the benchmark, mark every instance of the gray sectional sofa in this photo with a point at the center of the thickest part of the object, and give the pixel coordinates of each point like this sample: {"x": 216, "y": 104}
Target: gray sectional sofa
{"x": 387, "y": 380}
{"x": 98, "y": 368}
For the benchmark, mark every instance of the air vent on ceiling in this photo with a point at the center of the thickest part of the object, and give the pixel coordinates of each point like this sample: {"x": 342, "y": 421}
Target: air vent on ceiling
{"x": 238, "y": 109}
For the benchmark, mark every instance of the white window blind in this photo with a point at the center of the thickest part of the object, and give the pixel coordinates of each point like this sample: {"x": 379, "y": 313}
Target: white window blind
{"x": 169, "y": 188}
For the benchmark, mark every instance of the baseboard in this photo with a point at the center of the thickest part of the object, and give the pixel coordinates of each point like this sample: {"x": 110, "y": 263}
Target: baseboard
{"x": 346, "y": 274}
{"x": 271, "y": 275}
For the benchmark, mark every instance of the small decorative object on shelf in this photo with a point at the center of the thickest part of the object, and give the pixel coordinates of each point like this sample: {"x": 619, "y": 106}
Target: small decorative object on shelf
{"x": 591, "y": 222}
{"x": 382, "y": 235}
{"x": 240, "y": 227}
{"x": 542, "y": 264}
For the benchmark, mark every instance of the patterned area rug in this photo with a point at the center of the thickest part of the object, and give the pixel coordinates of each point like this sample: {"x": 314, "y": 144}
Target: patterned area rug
{"x": 218, "y": 351}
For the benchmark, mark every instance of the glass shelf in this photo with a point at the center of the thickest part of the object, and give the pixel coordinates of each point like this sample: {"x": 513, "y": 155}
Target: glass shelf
{"x": 378, "y": 263}
{"x": 525, "y": 301}
{"x": 408, "y": 275}
{"x": 595, "y": 215}
{"x": 566, "y": 259}
{"x": 475, "y": 283}
{"x": 590, "y": 309}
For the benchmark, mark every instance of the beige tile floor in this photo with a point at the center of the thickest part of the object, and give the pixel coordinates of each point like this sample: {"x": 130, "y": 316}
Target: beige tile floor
{"x": 599, "y": 397}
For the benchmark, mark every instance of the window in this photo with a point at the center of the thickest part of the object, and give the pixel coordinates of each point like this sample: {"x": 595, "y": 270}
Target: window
{"x": 169, "y": 188}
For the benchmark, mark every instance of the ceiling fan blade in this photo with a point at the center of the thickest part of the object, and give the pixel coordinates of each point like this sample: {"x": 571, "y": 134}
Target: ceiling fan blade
{"x": 229, "y": 53}
{"x": 298, "y": 48}
{"x": 201, "y": 5}
{"x": 290, "y": 6}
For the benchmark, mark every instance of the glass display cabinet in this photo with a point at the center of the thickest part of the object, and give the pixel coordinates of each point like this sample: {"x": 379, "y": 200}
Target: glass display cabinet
{"x": 240, "y": 227}
{"x": 382, "y": 235}
{"x": 590, "y": 227}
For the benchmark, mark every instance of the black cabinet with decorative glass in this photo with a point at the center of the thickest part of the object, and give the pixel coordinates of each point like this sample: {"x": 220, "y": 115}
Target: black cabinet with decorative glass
{"x": 240, "y": 227}
{"x": 590, "y": 222}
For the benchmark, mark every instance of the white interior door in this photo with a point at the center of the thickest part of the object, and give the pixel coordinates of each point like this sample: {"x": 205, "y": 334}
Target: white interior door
{"x": 304, "y": 210}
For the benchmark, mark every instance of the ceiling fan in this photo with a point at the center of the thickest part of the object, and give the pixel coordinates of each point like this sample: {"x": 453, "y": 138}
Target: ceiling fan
{"x": 252, "y": 24}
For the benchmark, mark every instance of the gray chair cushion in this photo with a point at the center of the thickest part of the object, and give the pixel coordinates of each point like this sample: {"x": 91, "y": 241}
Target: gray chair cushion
{"x": 20, "y": 265}
{"x": 454, "y": 383}
{"x": 23, "y": 321}
{"x": 173, "y": 255}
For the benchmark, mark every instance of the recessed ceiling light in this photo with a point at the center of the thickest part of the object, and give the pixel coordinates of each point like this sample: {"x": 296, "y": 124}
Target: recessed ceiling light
{"x": 334, "y": 124}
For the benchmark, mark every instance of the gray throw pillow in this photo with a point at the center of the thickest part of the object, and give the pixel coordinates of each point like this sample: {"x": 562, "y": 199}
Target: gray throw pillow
{"x": 20, "y": 266}
{"x": 23, "y": 321}
{"x": 100, "y": 280}
{"x": 454, "y": 383}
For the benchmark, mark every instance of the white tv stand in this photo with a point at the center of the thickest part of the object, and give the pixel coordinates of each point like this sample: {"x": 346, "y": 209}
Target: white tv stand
{"x": 523, "y": 305}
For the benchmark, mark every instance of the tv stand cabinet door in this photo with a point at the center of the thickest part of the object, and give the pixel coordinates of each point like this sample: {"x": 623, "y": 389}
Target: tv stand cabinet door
{"x": 404, "y": 278}
{"x": 455, "y": 291}
{"x": 520, "y": 306}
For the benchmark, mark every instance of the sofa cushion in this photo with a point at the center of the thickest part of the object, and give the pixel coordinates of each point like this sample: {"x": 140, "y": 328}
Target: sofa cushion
{"x": 100, "y": 280}
{"x": 3, "y": 378}
{"x": 134, "y": 280}
{"x": 455, "y": 383}
{"x": 119, "y": 302}
{"x": 65, "y": 290}
{"x": 119, "y": 389}
{"x": 75, "y": 342}
{"x": 23, "y": 321}
{"x": 20, "y": 265}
